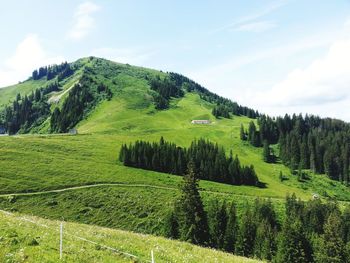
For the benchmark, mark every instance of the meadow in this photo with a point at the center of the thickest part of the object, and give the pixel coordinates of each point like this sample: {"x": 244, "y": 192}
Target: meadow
{"x": 33, "y": 239}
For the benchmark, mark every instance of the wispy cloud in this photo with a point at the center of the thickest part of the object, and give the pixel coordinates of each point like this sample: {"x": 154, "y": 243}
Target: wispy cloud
{"x": 29, "y": 54}
{"x": 84, "y": 21}
{"x": 250, "y": 22}
{"x": 324, "y": 80}
{"x": 257, "y": 27}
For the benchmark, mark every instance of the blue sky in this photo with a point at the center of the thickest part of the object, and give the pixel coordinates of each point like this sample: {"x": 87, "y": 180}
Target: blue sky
{"x": 276, "y": 56}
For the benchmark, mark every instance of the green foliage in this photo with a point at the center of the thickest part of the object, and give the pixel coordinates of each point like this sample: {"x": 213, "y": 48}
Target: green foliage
{"x": 293, "y": 245}
{"x": 246, "y": 234}
{"x": 231, "y": 231}
{"x": 82, "y": 98}
{"x": 210, "y": 161}
{"x": 226, "y": 105}
{"x": 310, "y": 142}
{"x": 190, "y": 212}
{"x": 217, "y": 224}
{"x": 166, "y": 89}
{"x": 171, "y": 226}
{"x": 221, "y": 111}
{"x": 63, "y": 70}
{"x": 331, "y": 247}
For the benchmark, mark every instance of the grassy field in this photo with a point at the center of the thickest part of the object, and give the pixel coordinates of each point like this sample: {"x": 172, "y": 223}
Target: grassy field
{"x": 137, "y": 200}
{"x": 33, "y": 239}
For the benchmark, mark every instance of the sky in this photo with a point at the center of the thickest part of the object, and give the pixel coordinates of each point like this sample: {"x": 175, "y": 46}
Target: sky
{"x": 277, "y": 56}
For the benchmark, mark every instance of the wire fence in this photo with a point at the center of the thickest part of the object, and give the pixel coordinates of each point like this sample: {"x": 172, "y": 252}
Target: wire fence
{"x": 62, "y": 235}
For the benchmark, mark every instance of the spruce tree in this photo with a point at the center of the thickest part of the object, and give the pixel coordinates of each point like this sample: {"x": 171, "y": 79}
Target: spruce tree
{"x": 293, "y": 245}
{"x": 266, "y": 152}
{"x": 265, "y": 242}
{"x": 217, "y": 224}
{"x": 246, "y": 234}
{"x": 242, "y": 133}
{"x": 231, "y": 230}
{"x": 332, "y": 247}
{"x": 190, "y": 212}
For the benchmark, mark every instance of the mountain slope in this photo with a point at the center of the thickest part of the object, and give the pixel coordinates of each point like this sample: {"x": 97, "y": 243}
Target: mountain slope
{"x": 37, "y": 240}
{"x": 124, "y": 197}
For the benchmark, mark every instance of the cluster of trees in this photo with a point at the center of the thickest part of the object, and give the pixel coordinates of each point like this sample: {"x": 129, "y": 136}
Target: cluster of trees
{"x": 209, "y": 159}
{"x": 310, "y": 231}
{"x": 165, "y": 88}
{"x": 221, "y": 111}
{"x": 82, "y": 98}
{"x": 27, "y": 112}
{"x": 62, "y": 71}
{"x": 233, "y": 107}
{"x": 310, "y": 142}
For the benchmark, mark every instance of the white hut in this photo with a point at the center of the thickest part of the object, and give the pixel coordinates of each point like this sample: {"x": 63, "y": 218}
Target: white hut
{"x": 200, "y": 121}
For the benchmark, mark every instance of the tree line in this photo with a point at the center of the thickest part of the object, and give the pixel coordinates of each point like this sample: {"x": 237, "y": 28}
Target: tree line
{"x": 62, "y": 70}
{"x": 165, "y": 89}
{"x": 310, "y": 142}
{"x": 230, "y": 106}
{"x": 210, "y": 160}
{"x": 312, "y": 231}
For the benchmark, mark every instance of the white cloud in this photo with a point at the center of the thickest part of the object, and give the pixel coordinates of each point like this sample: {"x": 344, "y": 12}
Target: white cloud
{"x": 256, "y": 27}
{"x": 28, "y": 55}
{"x": 223, "y": 71}
{"x": 135, "y": 56}
{"x": 322, "y": 87}
{"x": 251, "y": 19}
{"x": 84, "y": 22}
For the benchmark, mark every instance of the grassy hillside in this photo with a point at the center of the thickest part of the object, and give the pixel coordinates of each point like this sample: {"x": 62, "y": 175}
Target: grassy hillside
{"x": 33, "y": 239}
{"x": 8, "y": 94}
{"x": 124, "y": 197}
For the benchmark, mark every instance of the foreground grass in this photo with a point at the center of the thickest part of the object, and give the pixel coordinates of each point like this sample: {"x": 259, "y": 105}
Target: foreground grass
{"x": 33, "y": 239}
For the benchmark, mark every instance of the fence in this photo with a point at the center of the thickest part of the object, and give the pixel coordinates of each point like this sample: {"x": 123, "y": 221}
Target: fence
{"x": 62, "y": 234}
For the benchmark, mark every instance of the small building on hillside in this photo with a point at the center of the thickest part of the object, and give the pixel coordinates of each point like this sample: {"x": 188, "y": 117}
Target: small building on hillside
{"x": 73, "y": 131}
{"x": 200, "y": 121}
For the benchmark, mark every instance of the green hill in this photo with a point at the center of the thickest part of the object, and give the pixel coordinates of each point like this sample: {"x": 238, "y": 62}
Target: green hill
{"x": 34, "y": 165}
{"x": 33, "y": 239}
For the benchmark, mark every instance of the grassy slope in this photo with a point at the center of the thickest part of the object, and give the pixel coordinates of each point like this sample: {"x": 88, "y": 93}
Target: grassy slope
{"x": 8, "y": 94}
{"x": 34, "y": 163}
{"x": 16, "y": 244}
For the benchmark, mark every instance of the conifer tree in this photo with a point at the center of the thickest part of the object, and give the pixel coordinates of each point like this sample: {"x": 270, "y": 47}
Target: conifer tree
{"x": 231, "y": 230}
{"x": 217, "y": 224}
{"x": 190, "y": 212}
{"x": 242, "y": 133}
{"x": 332, "y": 243}
{"x": 266, "y": 152}
{"x": 293, "y": 246}
{"x": 265, "y": 242}
{"x": 246, "y": 234}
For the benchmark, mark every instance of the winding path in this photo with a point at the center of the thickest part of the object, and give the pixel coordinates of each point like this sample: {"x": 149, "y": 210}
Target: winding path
{"x": 124, "y": 185}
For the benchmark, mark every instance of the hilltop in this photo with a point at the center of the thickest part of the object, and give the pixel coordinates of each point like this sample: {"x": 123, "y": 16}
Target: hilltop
{"x": 112, "y": 104}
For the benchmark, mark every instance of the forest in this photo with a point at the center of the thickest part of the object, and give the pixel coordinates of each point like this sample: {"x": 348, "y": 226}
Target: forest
{"x": 312, "y": 231}
{"x": 310, "y": 142}
{"x": 210, "y": 160}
